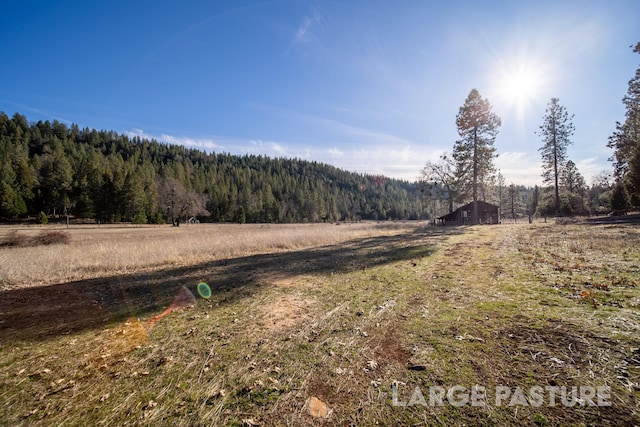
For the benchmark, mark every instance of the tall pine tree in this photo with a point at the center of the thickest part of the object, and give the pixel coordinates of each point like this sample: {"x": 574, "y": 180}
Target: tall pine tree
{"x": 626, "y": 141}
{"x": 555, "y": 131}
{"x": 474, "y": 152}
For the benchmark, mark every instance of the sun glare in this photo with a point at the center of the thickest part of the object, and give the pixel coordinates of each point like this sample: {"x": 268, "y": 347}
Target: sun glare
{"x": 518, "y": 84}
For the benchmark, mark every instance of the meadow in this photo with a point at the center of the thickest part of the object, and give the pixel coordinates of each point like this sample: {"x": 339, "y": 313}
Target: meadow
{"x": 321, "y": 324}
{"x": 113, "y": 250}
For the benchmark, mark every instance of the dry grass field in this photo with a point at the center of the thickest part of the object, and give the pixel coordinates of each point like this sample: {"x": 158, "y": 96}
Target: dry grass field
{"x": 320, "y": 325}
{"x": 115, "y": 250}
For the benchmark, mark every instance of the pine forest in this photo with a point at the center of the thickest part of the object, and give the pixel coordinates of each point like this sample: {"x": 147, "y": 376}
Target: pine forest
{"x": 51, "y": 170}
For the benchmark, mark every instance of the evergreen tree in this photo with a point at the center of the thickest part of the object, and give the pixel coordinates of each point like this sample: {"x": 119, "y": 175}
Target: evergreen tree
{"x": 575, "y": 189}
{"x": 474, "y": 152}
{"x": 56, "y": 178}
{"x": 513, "y": 201}
{"x": 555, "y": 131}
{"x": 11, "y": 203}
{"x": 534, "y": 200}
{"x": 619, "y": 199}
{"x": 500, "y": 198}
{"x": 600, "y": 193}
{"x": 625, "y": 141}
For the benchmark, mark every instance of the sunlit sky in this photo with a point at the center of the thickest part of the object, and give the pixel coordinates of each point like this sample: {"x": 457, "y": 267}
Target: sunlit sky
{"x": 368, "y": 86}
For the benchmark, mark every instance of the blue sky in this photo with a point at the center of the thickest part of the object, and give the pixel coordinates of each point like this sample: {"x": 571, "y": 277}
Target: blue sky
{"x": 368, "y": 86}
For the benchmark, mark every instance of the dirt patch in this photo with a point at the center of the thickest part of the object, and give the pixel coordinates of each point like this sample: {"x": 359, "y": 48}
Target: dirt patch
{"x": 318, "y": 386}
{"x": 283, "y": 312}
{"x": 391, "y": 350}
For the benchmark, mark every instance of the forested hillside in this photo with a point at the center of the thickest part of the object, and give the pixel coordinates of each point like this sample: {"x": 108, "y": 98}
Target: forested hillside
{"x": 51, "y": 168}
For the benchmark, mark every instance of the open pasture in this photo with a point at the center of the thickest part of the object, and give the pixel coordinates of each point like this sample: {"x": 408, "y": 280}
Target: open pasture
{"x": 321, "y": 325}
{"x": 108, "y": 250}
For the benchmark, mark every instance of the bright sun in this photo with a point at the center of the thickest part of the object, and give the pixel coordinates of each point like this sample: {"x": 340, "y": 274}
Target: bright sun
{"x": 518, "y": 84}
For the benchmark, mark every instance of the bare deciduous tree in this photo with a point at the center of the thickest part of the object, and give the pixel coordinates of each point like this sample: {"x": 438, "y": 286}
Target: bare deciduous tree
{"x": 439, "y": 181}
{"x": 179, "y": 201}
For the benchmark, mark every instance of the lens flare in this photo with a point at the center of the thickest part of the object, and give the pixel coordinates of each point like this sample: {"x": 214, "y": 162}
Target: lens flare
{"x": 204, "y": 290}
{"x": 184, "y": 299}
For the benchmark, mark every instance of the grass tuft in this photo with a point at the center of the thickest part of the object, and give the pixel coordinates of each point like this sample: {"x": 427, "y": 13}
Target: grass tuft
{"x": 51, "y": 237}
{"x": 44, "y": 238}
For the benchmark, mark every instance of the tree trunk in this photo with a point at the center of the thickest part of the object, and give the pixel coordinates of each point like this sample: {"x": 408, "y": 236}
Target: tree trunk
{"x": 474, "y": 209}
{"x": 555, "y": 166}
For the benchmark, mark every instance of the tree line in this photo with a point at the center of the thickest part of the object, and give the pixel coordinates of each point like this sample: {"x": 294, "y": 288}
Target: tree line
{"x": 49, "y": 169}
{"x": 468, "y": 173}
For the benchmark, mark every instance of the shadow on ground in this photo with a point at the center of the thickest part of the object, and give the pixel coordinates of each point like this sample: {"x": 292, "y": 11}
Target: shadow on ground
{"x": 621, "y": 219}
{"x": 49, "y": 311}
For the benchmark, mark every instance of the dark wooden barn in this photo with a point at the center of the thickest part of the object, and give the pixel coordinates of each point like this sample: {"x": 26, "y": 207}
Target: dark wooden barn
{"x": 487, "y": 214}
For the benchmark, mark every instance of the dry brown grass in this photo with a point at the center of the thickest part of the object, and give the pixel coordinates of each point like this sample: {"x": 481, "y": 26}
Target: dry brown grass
{"x": 115, "y": 250}
{"x": 44, "y": 238}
